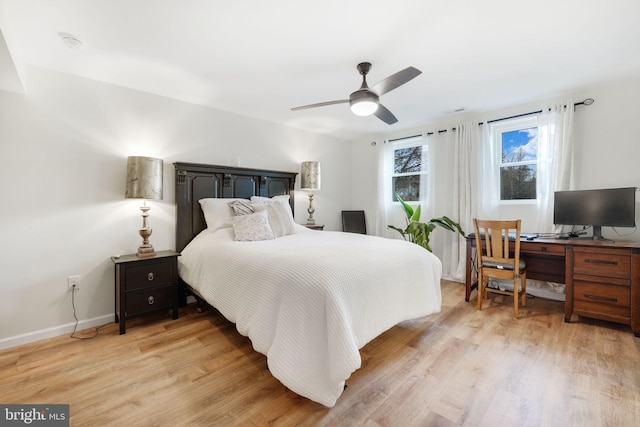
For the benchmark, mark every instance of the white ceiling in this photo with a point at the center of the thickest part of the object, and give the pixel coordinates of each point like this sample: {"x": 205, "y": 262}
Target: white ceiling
{"x": 260, "y": 58}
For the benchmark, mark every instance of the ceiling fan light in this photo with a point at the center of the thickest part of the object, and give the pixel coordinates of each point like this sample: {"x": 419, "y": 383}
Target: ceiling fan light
{"x": 364, "y": 107}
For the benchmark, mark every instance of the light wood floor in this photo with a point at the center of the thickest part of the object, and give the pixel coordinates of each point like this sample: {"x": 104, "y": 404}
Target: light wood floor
{"x": 458, "y": 367}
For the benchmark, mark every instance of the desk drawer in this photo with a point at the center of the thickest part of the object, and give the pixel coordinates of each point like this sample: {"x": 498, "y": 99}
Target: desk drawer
{"x": 602, "y": 300}
{"x": 541, "y": 248}
{"x": 614, "y": 263}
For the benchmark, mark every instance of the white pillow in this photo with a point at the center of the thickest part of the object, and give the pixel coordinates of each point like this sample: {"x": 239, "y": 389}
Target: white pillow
{"x": 217, "y": 212}
{"x": 252, "y": 227}
{"x": 280, "y": 215}
{"x": 283, "y": 198}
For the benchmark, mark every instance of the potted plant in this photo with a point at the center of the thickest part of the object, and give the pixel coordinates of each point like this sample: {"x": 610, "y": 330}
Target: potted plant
{"x": 419, "y": 232}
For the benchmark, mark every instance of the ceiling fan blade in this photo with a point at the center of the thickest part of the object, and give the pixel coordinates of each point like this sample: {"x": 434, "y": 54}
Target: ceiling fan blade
{"x": 320, "y": 104}
{"x": 395, "y": 80}
{"x": 385, "y": 115}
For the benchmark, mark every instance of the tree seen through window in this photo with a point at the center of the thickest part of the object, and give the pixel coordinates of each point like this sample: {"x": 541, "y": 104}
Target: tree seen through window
{"x": 409, "y": 168}
{"x": 518, "y": 170}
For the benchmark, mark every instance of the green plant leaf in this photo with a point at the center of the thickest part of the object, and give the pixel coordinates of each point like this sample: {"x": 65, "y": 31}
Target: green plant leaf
{"x": 408, "y": 210}
{"x": 419, "y": 232}
{"x": 455, "y": 225}
{"x": 448, "y": 224}
{"x": 399, "y": 230}
{"x": 416, "y": 214}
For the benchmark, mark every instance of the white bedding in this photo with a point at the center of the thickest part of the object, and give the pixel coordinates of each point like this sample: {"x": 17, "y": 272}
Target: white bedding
{"x": 309, "y": 301}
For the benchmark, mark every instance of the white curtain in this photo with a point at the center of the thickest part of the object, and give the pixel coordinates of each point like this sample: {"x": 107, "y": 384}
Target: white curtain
{"x": 475, "y": 189}
{"x": 383, "y": 214}
{"x": 463, "y": 194}
{"x": 428, "y": 188}
{"x": 489, "y": 158}
{"x": 473, "y": 192}
{"x": 555, "y": 160}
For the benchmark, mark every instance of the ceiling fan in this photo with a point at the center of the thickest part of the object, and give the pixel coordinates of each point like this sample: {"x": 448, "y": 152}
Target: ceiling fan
{"x": 366, "y": 101}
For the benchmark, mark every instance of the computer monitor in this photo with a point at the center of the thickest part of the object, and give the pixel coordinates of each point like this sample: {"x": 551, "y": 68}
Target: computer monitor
{"x": 612, "y": 207}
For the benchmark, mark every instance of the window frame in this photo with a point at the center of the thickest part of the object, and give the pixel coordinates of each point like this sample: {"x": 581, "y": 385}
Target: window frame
{"x": 509, "y": 125}
{"x": 411, "y": 142}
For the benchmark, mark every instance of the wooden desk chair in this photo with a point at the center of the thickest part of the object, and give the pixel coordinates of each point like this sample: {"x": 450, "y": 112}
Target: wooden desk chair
{"x": 494, "y": 260}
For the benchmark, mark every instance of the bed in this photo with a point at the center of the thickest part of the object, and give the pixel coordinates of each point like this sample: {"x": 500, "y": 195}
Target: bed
{"x": 308, "y": 300}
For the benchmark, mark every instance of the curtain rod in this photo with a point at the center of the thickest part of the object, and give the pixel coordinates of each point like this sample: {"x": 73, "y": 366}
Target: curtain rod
{"x": 587, "y": 101}
{"x": 405, "y": 137}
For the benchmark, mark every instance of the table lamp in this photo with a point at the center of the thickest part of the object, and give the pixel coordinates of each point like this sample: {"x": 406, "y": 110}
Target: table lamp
{"x": 144, "y": 181}
{"x": 310, "y": 180}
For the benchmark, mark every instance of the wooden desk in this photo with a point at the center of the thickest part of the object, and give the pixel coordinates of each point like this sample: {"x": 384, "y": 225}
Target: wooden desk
{"x": 602, "y": 278}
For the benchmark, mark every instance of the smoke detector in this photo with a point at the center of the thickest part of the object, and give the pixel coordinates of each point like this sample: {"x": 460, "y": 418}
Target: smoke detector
{"x": 71, "y": 41}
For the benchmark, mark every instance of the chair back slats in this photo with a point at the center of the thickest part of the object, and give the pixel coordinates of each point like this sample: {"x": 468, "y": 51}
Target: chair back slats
{"x": 496, "y": 241}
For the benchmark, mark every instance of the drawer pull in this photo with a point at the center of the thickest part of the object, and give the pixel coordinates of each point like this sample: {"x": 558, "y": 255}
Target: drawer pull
{"x": 151, "y": 300}
{"x": 543, "y": 249}
{"x": 599, "y": 298}
{"x": 600, "y": 261}
{"x": 150, "y": 276}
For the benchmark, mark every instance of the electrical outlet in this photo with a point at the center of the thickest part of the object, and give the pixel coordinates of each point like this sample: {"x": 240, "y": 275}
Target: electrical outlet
{"x": 74, "y": 283}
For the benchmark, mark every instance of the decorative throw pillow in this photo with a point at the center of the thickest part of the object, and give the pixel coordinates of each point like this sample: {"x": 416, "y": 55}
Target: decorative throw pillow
{"x": 217, "y": 212}
{"x": 280, "y": 216}
{"x": 284, "y": 198}
{"x": 252, "y": 227}
{"x": 242, "y": 207}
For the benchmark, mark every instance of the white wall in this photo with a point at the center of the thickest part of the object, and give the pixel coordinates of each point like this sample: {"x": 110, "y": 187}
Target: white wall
{"x": 607, "y": 145}
{"x": 63, "y": 149}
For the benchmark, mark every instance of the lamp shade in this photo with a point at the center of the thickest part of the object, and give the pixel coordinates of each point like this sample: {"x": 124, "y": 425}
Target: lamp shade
{"x": 310, "y": 176}
{"x": 364, "y": 102}
{"x": 364, "y": 107}
{"x": 144, "y": 178}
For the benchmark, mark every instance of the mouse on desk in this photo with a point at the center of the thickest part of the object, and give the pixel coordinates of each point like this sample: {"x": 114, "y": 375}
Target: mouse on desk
{"x": 530, "y": 238}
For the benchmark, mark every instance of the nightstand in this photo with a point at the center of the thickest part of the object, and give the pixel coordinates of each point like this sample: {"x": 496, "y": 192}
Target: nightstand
{"x": 314, "y": 226}
{"x": 144, "y": 285}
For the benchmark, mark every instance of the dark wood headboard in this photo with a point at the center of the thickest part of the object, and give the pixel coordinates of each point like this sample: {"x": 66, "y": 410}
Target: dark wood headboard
{"x": 197, "y": 181}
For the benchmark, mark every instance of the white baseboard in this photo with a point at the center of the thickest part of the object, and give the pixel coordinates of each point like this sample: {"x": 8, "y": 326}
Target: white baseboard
{"x": 55, "y": 331}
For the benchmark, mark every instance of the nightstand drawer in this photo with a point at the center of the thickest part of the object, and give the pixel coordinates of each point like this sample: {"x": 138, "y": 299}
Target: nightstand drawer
{"x": 144, "y": 300}
{"x": 151, "y": 274}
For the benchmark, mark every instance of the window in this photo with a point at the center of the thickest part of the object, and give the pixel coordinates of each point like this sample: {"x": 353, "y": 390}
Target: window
{"x": 517, "y": 142}
{"x": 410, "y": 170}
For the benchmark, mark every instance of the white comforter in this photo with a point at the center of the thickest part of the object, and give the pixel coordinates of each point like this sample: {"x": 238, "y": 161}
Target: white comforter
{"x": 309, "y": 301}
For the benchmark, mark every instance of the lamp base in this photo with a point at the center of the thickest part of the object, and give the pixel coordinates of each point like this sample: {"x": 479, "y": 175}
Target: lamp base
{"x": 311, "y": 210}
{"x": 146, "y": 252}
